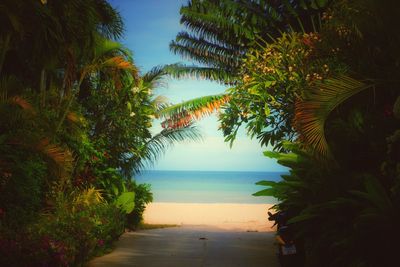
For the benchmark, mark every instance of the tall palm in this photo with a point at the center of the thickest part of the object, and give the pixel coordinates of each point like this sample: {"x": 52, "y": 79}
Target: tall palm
{"x": 44, "y": 42}
{"x": 110, "y": 62}
{"x": 219, "y": 33}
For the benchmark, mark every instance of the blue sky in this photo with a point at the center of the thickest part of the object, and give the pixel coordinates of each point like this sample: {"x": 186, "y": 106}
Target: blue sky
{"x": 150, "y": 26}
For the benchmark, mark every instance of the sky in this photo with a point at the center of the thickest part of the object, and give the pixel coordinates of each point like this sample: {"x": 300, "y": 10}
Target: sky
{"x": 150, "y": 25}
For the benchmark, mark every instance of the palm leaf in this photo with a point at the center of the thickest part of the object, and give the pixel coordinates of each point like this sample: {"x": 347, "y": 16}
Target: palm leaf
{"x": 211, "y": 21}
{"x": 183, "y": 114}
{"x": 159, "y": 143}
{"x": 202, "y": 43}
{"x": 209, "y": 73}
{"x": 62, "y": 158}
{"x": 22, "y": 103}
{"x": 312, "y": 113}
{"x": 206, "y": 57}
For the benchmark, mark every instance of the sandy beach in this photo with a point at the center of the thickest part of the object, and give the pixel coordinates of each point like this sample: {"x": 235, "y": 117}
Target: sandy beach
{"x": 236, "y": 217}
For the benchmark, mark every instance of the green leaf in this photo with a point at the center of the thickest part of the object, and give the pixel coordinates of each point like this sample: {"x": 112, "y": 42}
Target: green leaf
{"x": 321, "y": 3}
{"x": 253, "y": 90}
{"x": 267, "y": 111}
{"x": 272, "y": 154}
{"x": 266, "y": 183}
{"x": 288, "y": 159}
{"x": 269, "y": 192}
{"x": 269, "y": 83}
{"x": 126, "y": 202}
{"x": 378, "y": 195}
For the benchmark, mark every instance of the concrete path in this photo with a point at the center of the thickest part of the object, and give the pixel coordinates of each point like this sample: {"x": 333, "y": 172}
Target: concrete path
{"x": 191, "y": 247}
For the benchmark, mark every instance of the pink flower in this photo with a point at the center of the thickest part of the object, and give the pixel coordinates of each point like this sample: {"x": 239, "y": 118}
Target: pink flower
{"x": 100, "y": 242}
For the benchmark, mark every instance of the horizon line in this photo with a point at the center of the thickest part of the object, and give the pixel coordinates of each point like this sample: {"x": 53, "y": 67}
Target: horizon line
{"x": 215, "y": 170}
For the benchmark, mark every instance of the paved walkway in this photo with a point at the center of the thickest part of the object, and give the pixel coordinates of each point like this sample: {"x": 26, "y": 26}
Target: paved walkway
{"x": 191, "y": 247}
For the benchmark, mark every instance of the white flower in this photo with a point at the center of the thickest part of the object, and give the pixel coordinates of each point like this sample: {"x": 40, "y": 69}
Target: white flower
{"x": 132, "y": 114}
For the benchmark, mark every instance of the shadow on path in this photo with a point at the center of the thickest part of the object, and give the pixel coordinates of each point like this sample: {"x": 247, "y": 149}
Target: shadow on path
{"x": 191, "y": 247}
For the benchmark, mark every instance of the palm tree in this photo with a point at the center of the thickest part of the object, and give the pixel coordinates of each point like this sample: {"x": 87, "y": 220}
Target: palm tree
{"x": 110, "y": 62}
{"x": 158, "y": 143}
{"x": 43, "y": 43}
{"x": 219, "y": 33}
{"x": 120, "y": 107}
{"x": 218, "y": 36}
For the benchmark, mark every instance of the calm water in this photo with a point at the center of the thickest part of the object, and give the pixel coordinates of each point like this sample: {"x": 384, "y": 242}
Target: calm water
{"x": 207, "y": 186}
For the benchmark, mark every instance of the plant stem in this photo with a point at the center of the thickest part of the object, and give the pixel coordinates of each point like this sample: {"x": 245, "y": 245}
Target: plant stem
{"x": 69, "y": 103}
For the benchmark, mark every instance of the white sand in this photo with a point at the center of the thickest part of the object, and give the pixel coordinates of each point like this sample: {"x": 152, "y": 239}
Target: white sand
{"x": 240, "y": 217}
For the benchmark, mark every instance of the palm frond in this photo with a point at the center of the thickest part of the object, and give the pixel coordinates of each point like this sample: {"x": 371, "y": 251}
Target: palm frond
{"x": 210, "y": 33}
{"x": 162, "y": 141}
{"x": 209, "y": 73}
{"x": 110, "y": 22}
{"x": 62, "y": 158}
{"x": 205, "y": 57}
{"x": 118, "y": 62}
{"x": 213, "y": 21}
{"x": 312, "y": 113}
{"x": 178, "y": 70}
{"x": 200, "y": 43}
{"x": 110, "y": 54}
{"x": 23, "y": 103}
{"x": 183, "y": 114}
{"x": 104, "y": 46}
{"x": 155, "y": 75}
{"x": 219, "y": 32}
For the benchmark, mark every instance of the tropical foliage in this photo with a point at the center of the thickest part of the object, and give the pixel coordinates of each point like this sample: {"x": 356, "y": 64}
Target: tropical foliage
{"x": 219, "y": 33}
{"x": 323, "y": 75}
{"x": 75, "y": 118}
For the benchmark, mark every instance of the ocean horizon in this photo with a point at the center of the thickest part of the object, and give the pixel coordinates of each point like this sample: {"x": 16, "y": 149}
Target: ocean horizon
{"x": 207, "y": 186}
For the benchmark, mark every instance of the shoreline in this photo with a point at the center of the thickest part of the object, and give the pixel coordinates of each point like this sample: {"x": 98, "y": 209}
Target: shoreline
{"x": 224, "y": 216}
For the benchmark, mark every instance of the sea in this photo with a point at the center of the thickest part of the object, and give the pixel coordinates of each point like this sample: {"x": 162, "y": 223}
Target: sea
{"x": 207, "y": 186}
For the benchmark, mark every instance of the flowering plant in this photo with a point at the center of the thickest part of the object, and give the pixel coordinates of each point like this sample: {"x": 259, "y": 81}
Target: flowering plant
{"x": 274, "y": 77}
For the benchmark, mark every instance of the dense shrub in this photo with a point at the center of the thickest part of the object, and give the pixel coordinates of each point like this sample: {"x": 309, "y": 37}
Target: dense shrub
{"x": 143, "y": 196}
{"x": 77, "y": 226}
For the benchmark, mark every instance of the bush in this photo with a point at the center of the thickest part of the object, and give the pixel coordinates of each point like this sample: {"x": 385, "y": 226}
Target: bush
{"x": 22, "y": 192}
{"x": 143, "y": 196}
{"x": 78, "y": 226}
